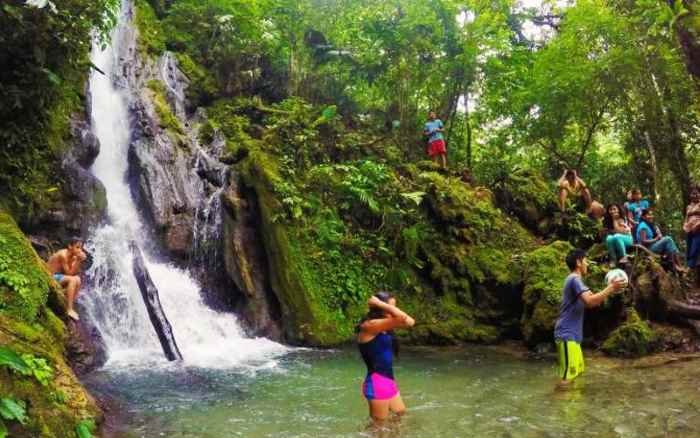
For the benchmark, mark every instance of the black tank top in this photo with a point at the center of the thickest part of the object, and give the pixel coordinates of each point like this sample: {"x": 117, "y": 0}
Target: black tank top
{"x": 378, "y": 355}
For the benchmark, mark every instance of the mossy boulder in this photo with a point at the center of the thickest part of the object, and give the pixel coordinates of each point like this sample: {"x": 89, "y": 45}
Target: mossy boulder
{"x": 632, "y": 338}
{"x": 544, "y": 274}
{"x": 526, "y": 195}
{"x": 56, "y": 406}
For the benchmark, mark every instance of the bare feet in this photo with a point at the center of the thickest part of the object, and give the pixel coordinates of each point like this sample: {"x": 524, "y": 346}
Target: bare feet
{"x": 73, "y": 314}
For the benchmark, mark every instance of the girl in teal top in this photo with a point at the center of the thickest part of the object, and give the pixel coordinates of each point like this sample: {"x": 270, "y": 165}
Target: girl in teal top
{"x": 619, "y": 237}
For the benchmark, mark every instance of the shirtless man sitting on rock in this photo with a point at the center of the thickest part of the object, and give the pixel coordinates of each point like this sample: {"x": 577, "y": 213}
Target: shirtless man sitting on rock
{"x": 65, "y": 266}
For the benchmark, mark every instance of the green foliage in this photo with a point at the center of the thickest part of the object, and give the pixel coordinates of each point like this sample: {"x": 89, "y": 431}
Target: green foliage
{"x": 152, "y": 38}
{"x": 38, "y": 368}
{"x": 45, "y": 61}
{"x": 13, "y": 361}
{"x": 24, "y": 282}
{"x": 202, "y": 87}
{"x": 26, "y": 365}
{"x": 85, "y": 428}
{"x": 167, "y": 118}
{"x": 11, "y": 410}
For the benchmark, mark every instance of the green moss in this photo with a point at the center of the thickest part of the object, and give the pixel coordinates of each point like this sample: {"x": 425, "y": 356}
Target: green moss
{"x": 225, "y": 117}
{"x": 28, "y": 326}
{"x": 202, "y": 87}
{"x": 24, "y": 280}
{"x": 633, "y": 338}
{"x": 168, "y": 119}
{"x": 327, "y": 256}
{"x": 292, "y": 277}
{"x": 543, "y": 276}
{"x": 53, "y": 410}
{"x": 151, "y": 41}
{"x": 30, "y": 182}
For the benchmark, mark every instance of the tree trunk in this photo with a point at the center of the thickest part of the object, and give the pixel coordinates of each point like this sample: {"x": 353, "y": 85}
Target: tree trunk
{"x": 468, "y": 126}
{"x": 654, "y": 163}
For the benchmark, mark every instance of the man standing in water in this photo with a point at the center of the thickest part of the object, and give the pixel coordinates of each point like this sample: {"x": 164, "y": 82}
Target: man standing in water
{"x": 568, "y": 331}
{"x": 65, "y": 266}
{"x": 436, "y": 143}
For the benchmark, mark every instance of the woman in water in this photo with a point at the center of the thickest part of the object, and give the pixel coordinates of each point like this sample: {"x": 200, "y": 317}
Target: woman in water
{"x": 691, "y": 226}
{"x": 619, "y": 234}
{"x": 377, "y": 346}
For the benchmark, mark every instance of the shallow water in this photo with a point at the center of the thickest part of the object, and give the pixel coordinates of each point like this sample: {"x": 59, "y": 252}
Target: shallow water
{"x": 473, "y": 391}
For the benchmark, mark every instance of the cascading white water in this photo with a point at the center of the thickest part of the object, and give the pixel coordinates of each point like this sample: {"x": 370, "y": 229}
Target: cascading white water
{"x": 114, "y": 305}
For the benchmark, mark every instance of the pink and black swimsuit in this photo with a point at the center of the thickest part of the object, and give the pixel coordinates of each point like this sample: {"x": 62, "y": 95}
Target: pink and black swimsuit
{"x": 378, "y": 356}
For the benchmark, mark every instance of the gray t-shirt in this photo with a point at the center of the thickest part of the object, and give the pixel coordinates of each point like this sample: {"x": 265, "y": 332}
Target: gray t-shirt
{"x": 569, "y": 326}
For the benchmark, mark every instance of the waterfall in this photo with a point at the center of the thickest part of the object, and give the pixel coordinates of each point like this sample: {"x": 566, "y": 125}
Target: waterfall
{"x": 113, "y": 304}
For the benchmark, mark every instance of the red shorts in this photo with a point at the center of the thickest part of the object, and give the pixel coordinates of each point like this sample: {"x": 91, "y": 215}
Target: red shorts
{"x": 436, "y": 147}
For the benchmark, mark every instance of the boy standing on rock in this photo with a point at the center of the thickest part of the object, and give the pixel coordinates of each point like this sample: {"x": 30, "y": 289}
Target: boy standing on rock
{"x": 65, "y": 266}
{"x": 568, "y": 331}
{"x": 436, "y": 143}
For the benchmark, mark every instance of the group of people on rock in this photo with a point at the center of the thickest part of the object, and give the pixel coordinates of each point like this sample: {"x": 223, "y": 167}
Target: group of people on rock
{"x": 632, "y": 223}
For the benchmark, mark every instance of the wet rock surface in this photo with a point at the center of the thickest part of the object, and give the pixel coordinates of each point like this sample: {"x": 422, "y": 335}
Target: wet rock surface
{"x": 245, "y": 262}
{"x": 189, "y": 197}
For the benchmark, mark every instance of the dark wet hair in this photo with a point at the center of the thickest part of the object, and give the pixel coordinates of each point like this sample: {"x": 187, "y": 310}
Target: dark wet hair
{"x": 74, "y": 240}
{"x": 646, "y": 211}
{"x": 573, "y": 257}
{"x": 570, "y": 172}
{"x": 608, "y": 220}
{"x": 375, "y": 313}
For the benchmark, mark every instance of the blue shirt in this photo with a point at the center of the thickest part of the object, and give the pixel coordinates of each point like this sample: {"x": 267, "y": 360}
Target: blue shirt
{"x": 636, "y": 208}
{"x": 378, "y": 355}
{"x": 644, "y": 226}
{"x": 431, "y": 129}
{"x": 569, "y": 326}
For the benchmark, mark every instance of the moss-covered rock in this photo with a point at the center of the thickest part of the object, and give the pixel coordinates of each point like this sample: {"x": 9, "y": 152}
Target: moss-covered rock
{"x": 544, "y": 274}
{"x": 28, "y": 327}
{"x": 632, "y": 338}
{"x": 151, "y": 40}
{"x": 455, "y": 269}
{"x": 292, "y": 278}
{"x": 526, "y": 195}
{"x": 24, "y": 281}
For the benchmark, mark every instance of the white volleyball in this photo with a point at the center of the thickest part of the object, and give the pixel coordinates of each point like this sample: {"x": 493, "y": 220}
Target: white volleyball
{"x": 616, "y": 274}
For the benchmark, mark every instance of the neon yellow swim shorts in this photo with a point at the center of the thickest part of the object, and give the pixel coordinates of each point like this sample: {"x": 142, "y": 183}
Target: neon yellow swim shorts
{"x": 570, "y": 359}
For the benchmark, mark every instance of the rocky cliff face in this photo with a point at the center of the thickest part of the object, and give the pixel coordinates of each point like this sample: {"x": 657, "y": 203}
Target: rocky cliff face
{"x": 83, "y": 199}
{"x": 190, "y": 197}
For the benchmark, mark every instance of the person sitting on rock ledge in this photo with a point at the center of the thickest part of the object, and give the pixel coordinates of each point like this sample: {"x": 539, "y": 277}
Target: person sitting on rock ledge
{"x": 691, "y": 227}
{"x": 649, "y": 235}
{"x": 65, "y": 265}
{"x": 571, "y": 185}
